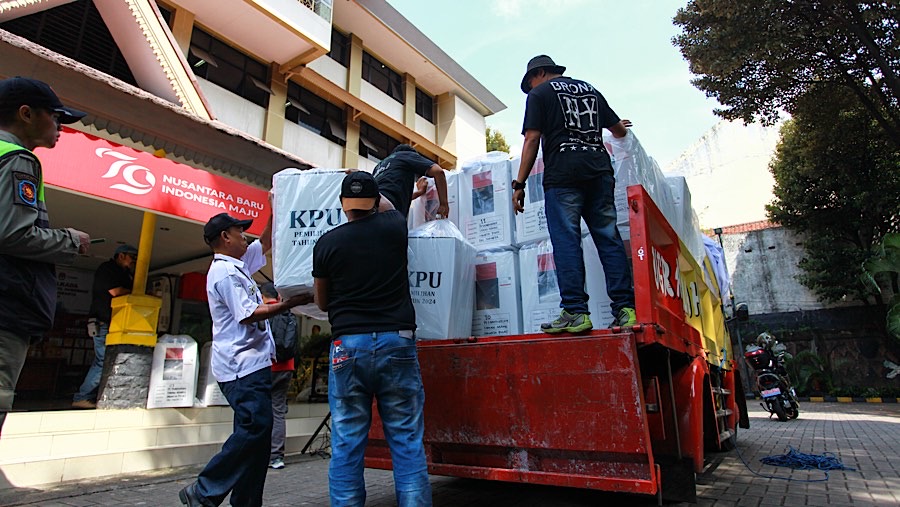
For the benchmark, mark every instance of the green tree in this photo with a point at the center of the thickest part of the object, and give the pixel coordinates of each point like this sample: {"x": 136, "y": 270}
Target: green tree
{"x": 495, "y": 140}
{"x": 758, "y": 57}
{"x": 837, "y": 181}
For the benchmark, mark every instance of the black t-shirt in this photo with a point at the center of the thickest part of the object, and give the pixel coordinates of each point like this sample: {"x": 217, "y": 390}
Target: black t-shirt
{"x": 571, "y": 116}
{"x": 397, "y": 175}
{"x": 109, "y": 275}
{"x": 368, "y": 282}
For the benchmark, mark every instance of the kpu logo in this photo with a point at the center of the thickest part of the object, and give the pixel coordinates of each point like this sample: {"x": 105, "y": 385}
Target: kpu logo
{"x": 138, "y": 179}
{"x": 430, "y": 278}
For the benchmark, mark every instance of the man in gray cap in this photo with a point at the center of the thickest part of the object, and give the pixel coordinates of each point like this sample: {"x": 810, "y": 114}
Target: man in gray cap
{"x": 565, "y": 116}
{"x": 30, "y": 117}
{"x": 112, "y": 279}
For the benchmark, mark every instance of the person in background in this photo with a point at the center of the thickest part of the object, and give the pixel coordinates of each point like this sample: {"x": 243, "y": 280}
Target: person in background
{"x": 242, "y": 354}
{"x": 31, "y": 116}
{"x": 399, "y": 173}
{"x": 361, "y": 280}
{"x": 284, "y": 332}
{"x": 566, "y": 117}
{"x": 112, "y": 279}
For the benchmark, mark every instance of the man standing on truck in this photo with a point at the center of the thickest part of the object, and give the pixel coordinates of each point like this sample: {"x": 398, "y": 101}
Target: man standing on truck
{"x": 398, "y": 173}
{"x": 31, "y": 116}
{"x": 361, "y": 280}
{"x": 565, "y": 116}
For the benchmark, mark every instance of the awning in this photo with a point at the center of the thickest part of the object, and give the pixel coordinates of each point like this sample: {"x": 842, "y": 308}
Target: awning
{"x": 92, "y": 166}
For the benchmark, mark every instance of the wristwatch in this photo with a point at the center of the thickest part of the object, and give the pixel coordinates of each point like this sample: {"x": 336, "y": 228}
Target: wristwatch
{"x": 518, "y": 186}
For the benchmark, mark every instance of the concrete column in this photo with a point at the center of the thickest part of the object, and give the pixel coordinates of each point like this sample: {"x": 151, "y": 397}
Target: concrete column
{"x": 351, "y": 150}
{"x": 354, "y": 71}
{"x": 273, "y": 132}
{"x": 409, "y": 105}
{"x": 182, "y": 28}
{"x": 445, "y": 130}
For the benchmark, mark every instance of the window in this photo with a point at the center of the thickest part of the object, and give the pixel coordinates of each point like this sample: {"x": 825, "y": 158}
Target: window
{"x": 75, "y": 30}
{"x": 227, "y": 67}
{"x": 315, "y": 113}
{"x": 340, "y": 48}
{"x": 166, "y": 13}
{"x": 424, "y": 105}
{"x": 383, "y": 77}
{"x": 373, "y": 143}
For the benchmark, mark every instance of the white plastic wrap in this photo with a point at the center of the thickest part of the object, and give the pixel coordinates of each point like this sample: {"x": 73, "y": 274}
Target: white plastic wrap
{"x": 717, "y": 259}
{"x": 441, "y": 280}
{"x": 424, "y": 209}
{"x": 485, "y": 201}
{"x": 497, "y": 301}
{"x": 173, "y": 372}
{"x": 307, "y": 205}
{"x": 633, "y": 166}
{"x": 208, "y": 392}
{"x": 595, "y": 285}
{"x": 540, "y": 289}
{"x": 531, "y": 225}
{"x": 684, "y": 220}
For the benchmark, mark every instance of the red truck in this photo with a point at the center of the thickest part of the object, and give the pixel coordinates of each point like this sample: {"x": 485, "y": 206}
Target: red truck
{"x": 629, "y": 410}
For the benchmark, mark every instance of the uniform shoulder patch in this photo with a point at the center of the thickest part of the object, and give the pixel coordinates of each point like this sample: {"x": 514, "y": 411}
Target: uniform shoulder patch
{"x": 25, "y": 189}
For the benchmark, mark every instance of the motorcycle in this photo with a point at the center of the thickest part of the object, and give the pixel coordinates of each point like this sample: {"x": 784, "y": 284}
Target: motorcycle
{"x": 767, "y": 357}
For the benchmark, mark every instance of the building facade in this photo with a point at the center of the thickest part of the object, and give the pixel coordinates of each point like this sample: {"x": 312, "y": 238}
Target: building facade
{"x": 205, "y": 100}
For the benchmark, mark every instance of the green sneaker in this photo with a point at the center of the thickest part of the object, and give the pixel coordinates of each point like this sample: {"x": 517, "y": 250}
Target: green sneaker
{"x": 626, "y": 318}
{"x": 568, "y": 323}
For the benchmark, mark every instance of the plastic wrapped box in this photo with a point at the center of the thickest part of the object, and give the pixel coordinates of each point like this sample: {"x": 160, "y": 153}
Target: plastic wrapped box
{"x": 307, "y": 205}
{"x": 173, "y": 372}
{"x": 497, "y": 300}
{"x": 441, "y": 280}
{"x": 485, "y": 201}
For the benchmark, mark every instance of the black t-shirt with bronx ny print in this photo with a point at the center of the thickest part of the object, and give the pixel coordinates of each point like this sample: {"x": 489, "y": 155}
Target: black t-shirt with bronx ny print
{"x": 571, "y": 115}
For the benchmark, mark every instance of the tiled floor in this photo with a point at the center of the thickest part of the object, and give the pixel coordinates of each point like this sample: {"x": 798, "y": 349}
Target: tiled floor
{"x": 864, "y": 436}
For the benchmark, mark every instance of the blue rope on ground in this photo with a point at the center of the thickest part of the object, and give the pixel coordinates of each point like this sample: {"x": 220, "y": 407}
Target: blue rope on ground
{"x": 799, "y": 461}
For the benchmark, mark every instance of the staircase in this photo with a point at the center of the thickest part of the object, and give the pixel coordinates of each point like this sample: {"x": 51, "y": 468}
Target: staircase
{"x": 44, "y": 448}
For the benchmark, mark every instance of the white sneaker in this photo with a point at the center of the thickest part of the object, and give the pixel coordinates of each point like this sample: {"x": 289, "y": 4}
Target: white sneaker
{"x": 277, "y": 463}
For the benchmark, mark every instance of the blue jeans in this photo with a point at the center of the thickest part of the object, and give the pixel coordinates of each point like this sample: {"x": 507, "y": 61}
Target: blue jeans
{"x": 384, "y": 366}
{"x": 88, "y": 389}
{"x": 593, "y": 201}
{"x": 241, "y": 465}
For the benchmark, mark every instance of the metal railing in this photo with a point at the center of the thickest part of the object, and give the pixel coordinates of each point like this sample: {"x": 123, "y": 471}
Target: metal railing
{"x": 321, "y": 7}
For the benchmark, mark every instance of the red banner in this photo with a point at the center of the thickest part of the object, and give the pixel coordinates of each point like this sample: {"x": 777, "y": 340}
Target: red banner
{"x": 93, "y": 166}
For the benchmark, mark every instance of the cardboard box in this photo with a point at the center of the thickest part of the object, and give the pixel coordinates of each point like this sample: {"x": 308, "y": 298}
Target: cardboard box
{"x": 485, "y": 201}
{"x": 307, "y": 205}
{"x": 497, "y": 294}
{"x": 540, "y": 290}
{"x": 208, "y": 392}
{"x": 441, "y": 281}
{"x": 173, "y": 372}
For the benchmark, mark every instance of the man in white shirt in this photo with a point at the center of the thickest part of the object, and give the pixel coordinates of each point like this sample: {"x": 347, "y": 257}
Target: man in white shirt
{"x": 242, "y": 356}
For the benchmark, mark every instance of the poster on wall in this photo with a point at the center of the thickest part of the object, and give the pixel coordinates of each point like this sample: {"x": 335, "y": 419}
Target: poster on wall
{"x": 73, "y": 289}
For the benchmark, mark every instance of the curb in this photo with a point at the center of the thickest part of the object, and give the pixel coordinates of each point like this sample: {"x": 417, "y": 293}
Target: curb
{"x": 837, "y": 399}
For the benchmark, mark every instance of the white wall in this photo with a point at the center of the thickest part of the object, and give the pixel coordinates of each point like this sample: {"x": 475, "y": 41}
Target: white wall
{"x": 312, "y": 147}
{"x": 426, "y": 128}
{"x": 234, "y": 110}
{"x": 763, "y": 269}
{"x": 331, "y": 70}
{"x": 469, "y": 126}
{"x": 380, "y": 100}
{"x": 366, "y": 165}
